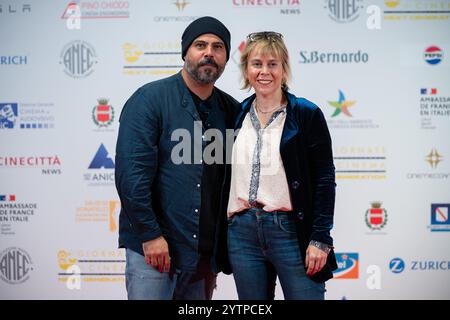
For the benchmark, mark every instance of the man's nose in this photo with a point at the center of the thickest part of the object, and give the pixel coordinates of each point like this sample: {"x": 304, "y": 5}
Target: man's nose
{"x": 209, "y": 51}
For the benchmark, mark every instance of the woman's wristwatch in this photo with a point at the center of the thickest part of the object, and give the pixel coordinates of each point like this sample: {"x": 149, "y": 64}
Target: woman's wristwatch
{"x": 322, "y": 246}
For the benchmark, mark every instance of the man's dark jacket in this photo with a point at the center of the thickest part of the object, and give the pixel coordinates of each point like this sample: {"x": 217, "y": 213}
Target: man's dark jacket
{"x": 158, "y": 196}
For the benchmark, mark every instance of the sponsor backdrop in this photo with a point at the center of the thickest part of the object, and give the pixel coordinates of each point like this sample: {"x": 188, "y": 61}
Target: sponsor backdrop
{"x": 379, "y": 70}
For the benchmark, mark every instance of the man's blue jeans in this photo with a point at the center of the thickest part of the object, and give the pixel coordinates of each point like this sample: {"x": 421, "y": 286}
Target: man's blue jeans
{"x": 263, "y": 245}
{"x": 144, "y": 282}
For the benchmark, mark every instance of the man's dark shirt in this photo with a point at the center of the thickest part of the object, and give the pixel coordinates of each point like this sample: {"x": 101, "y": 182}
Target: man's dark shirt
{"x": 211, "y": 182}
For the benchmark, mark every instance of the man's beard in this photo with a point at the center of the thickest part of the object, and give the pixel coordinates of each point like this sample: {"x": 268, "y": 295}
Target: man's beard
{"x": 204, "y": 76}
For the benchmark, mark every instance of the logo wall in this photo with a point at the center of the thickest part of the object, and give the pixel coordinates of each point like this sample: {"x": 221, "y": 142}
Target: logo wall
{"x": 13, "y": 213}
{"x": 416, "y": 10}
{"x": 433, "y": 55}
{"x": 14, "y": 115}
{"x": 15, "y": 265}
{"x": 376, "y": 217}
{"x": 159, "y": 58}
{"x": 78, "y": 59}
{"x": 284, "y": 7}
{"x": 344, "y": 11}
{"x": 360, "y": 162}
{"x": 439, "y": 217}
{"x": 100, "y": 173}
{"x": 105, "y": 212}
{"x": 434, "y": 158}
{"x": 342, "y": 118}
{"x": 434, "y": 108}
{"x": 398, "y": 265}
{"x": 348, "y": 266}
{"x": 106, "y": 9}
{"x": 13, "y": 8}
{"x": 49, "y": 165}
{"x": 176, "y": 9}
{"x": 103, "y": 113}
{"x": 13, "y": 60}
{"x": 92, "y": 265}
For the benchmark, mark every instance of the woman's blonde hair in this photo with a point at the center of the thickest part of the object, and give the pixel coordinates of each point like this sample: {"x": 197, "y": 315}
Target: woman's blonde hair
{"x": 266, "y": 42}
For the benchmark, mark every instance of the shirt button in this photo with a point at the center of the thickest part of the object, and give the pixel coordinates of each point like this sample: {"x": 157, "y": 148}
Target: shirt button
{"x": 194, "y": 236}
{"x": 198, "y": 185}
{"x": 295, "y": 184}
{"x": 196, "y": 210}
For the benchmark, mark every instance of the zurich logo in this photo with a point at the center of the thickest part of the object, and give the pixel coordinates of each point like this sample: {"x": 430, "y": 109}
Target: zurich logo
{"x": 397, "y": 265}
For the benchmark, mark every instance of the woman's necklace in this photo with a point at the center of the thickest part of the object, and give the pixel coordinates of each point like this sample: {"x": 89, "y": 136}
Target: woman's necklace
{"x": 270, "y": 111}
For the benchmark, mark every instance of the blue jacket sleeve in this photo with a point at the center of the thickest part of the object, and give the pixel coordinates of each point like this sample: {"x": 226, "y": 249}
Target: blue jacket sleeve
{"x": 136, "y": 164}
{"x": 323, "y": 177}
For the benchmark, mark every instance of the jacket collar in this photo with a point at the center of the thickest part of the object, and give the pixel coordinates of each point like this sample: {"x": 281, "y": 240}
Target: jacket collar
{"x": 187, "y": 102}
{"x": 186, "y": 99}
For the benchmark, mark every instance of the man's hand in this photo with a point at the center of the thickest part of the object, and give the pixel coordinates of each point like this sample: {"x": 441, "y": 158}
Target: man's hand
{"x": 156, "y": 254}
{"x": 315, "y": 260}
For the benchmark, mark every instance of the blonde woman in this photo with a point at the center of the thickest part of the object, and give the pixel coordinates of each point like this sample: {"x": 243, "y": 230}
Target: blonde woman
{"x": 282, "y": 189}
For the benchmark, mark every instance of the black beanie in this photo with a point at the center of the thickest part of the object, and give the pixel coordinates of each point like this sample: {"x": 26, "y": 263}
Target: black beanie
{"x": 201, "y": 26}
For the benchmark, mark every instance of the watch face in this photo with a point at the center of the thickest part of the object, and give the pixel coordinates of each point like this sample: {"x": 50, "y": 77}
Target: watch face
{"x": 322, "y": 246}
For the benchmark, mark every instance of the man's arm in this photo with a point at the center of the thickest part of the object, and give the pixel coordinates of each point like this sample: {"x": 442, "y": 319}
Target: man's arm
{"x": 136, "y": 166}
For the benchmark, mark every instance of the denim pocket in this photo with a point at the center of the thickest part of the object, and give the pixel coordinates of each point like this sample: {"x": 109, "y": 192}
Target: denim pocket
{"x": 287, "y": 225}
{"x": 231, "y": 220}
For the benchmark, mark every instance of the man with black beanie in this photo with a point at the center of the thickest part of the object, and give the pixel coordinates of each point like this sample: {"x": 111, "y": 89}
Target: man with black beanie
{"x": 198, "y": 27}
{"x": 172, "y": 219}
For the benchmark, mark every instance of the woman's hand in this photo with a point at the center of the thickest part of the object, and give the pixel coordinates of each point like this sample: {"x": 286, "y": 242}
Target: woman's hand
{"x": 315, "y": 260}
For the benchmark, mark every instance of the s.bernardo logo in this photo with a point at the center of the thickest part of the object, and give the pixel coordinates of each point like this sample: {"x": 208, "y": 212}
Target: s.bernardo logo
{"x": 313, "y": 57}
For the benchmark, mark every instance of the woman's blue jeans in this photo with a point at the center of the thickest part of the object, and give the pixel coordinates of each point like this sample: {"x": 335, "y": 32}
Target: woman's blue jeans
{"x": 263, "y": 245}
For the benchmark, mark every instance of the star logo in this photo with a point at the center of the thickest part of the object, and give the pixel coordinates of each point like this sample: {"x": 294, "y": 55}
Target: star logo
{"x": 433, "y": 158}
{"x": 181, "y": 4}
{"x": 341, "y": 105}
